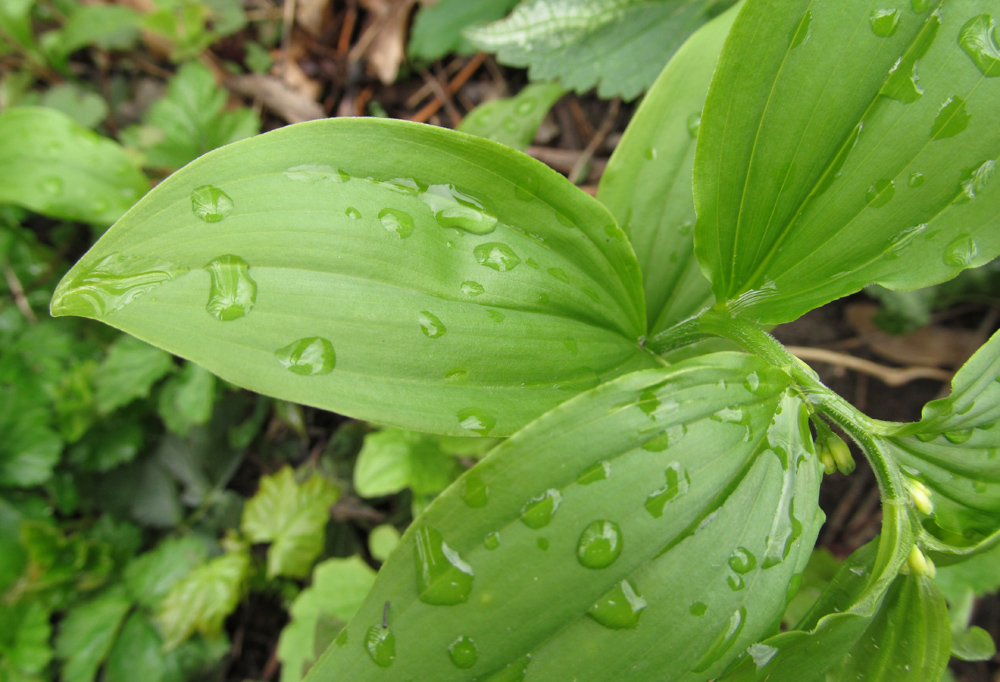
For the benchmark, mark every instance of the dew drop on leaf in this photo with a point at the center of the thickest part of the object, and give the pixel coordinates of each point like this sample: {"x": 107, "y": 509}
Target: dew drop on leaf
{"x": 210, "y": 203}
{"x": 381, "y": 646}
{"x": 526, "y": 106}
{"x": 399, "y": 223}
{"x": 538, "y": 511}
{"x": 736, "y": 583}
{"x": 600, "y": 544}
{"x": 899, "y": 242}
{"x": 462, "y": 653}
{"x": 920, "y": 5}
{"x": 978, "y": 39}
{"x": 314, "y": 173}
{"x": 310, "y": 356}
{"x": 353, "y": 213}
{"x": 698, "y": 609}
{"x": 620, "y": 608}
{"x": 52, "y": 186}
{"x": 742, "y": 561}
{"x": 595, "y": 473}
{"x": 952, "y": 119}
{"x": 723, "y": 641}
{"x": 678, "y": 483}
{"x": 512, "y": 672}
{"x": 571, "y": 346}
{"x": 958, "y": 437}
{"x": 880, "y": 193}
{"x": 443, "y": 578}
{"x": 803, "y": 31}
{"x": 916, "y": 179}
{"x": 476, "y": 420}
{"x": 752, "y": 382}
{"x": 491, "y": 541}
{"x": 651, "y": 153}
{"x": 497, "y": 256}
{"x": 694, "y": 124}
{"x": 543, "y": 544}
{"x": 961, "y": 251}
{"x": 476, "y": 494}
{"x": 884, "y": 22}
{"x": 112, "y": 283}
{"x": 233, "y": 292}
{"x": 430, "y": 325}
{"x": 559, "y": 274}
{"x": 974, "y": 181}
{"x": 470, "y": 288}
{"x": 495, "y": 315}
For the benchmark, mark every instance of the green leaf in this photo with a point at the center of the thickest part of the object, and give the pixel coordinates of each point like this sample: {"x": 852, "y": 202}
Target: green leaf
{"x": 24, "y": 641}
{"x": 382, "y": 540}
{"x": 292, "y": 517}
{"x": 617, "y": 46}
{"x": 513, "y": 121}
{"x": 820, "y": 570}
{"x": 29, "y": 447}
{"x": 86, "y": 108}
{"x": 136, "y": 654}
{"x": 706, "y": 463}
{"x": 647, "y": 184}
{"x": 109, "y": 444}
{"x": 187, "y": 399}
{"x": 129, "y": 371}
{"x": 201, "y": 600}
{"x": 56, "y": 167}
{"x": 394, "y": 459}
{"x": 112, "y": 27}
{"x": 150, "y": 576}
{"x": 843, "y": 145}
{"x": 320, "y": 611}
{"x": 973, "y": 644}
{"x": 437, "y": 29}
{"x": 268, "y": 263}
{"x": 87, "y": 633}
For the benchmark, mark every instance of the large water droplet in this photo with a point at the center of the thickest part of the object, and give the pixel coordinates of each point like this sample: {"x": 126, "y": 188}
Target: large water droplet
{"x": 310, "y": 356}
{"x": 210, "y": 203}
{"x": 620, "y": 608}
{"x": 752, "y": 382}
{"x": 901, "y": 240}
{"x": 978, "y": 39}
{"x": 723, "y": 641}
{"x": 314, "y": 173}
{"x": 476, "y": 494}
{"x": 961, "y": 251}
{"x": 463, "y": 653}
{"x": 600, "y": 544}
{"x": 903, "y": 83}
{"x": 381, "y": 646}
{"x": 430, "y": 325}
{"x": 742, "y": 560}
{"x": 678, "y": 483}
{"x": 916, "y": 179}
{"x": 399, "y": 223}
{"x": 884, "y": 22}
{"x": 958, "y": 437}
{"x": 112, "y": 283}
{"x": 476, "y": 420}
{"x": 470, "y": 288}
{"x": 880, "y": 193}
{"x": 952, "y": 119}
{"x": 595, "y": 473}
{"x": 443, "y": 578}
{"x": 491, "y": 541}
{"x": 803, "y": 31}
{"x": 538, "y": 512}
{"x": 974, "y": 181}
{"x": 233, "y": 292}
{"x": 496, "y": 255}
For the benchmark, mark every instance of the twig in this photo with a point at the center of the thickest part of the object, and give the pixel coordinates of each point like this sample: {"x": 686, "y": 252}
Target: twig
{"x": 350, "y": 18}
{"x": 287, "y": 20}
{"x": 891, "y": 376}
{"x": 563, "y": 160}
{"x": 456, "y": 83}
{"x": 426, "y": 90}
{"x": 18, "y": 291}
{"x": 596, "y": 141}
{"x": 444, "y": 96}
{"x": 583, "y": 127}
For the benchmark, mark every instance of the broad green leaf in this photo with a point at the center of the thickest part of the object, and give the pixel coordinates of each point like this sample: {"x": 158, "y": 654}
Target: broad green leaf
{"x": 24, "y": 641}
{"x": 29, "y": 447}
{"x": 445, "y": 284}
{"x": 56, "y": 167}
{"x": 87, "y": 633}
{"x": 292, "y": 518}
{"x": 909, "y": 639}
{"x": 647, "y": 184}
{"x": 112, "y": 27}
{"x": 394, "y": 459}
{"x": 973, "y": 644}
{"x": 437, "y": 29}
{"x": 128, "y": 372}
{"x": 617, "y": 46}
{"x": 382, "y": 540}
{"x": 580, "y": 565}
{"x": 846, "y": 143}
{"x": 187, "y": 399}
{"x": 136, "y": 654}
{"x": 979, "y": 573}
{"x": 513, "y": 121}
{"x": 150, "y": 576}
{"x": 85, "y": 107}
{"x": 820, "y": 570}
{"x": 320, "y": 612}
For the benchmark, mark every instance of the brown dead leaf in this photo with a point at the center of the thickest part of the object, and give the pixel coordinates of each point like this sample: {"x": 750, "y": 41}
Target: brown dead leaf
{"x": 296, "y": 79}
{"x": 310, "y": 15}
{"x": 927, "y": 347}
{"x": 278, "y": 97}
{"x": 383, "y": 40}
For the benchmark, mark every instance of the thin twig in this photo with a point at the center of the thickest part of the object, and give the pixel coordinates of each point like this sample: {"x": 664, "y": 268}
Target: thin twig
{"x": 18, "y": 291}
{"x": 891, "y": 376}
{"x": 596, "y": 141}
{"x": 444, "y": 96}
{"x": 347, "y": 30}
{"x": 456, "y": 83}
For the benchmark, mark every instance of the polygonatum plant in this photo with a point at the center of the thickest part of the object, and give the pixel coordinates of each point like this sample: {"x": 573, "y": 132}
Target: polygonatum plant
{"x": 655, "y": 504}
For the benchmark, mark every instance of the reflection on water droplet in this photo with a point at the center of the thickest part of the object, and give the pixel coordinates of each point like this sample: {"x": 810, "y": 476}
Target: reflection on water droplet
{"x": 761, "y": 654}
{"x": 595, "y": 473}
{"x": 496, "y": 255}
{"x": 920, "y": 5}
{"x": 974, "y": 181}
{"x": 210, "y": 203}
{"x": 678, "y": 483}
{"x": 651, "y": 153}
{"x": 381, "y": 646}
{"x": 52, "y": 186}
{"x": 694, "y": 124}
{"x": 430, "y": 325}
{"x": 111, "y": 284}
{"x": 884, "y": 22}
{"x": 443, "y": 578}
{"x": 353, "y": 213}
{"x": 978, "y": 39}
{"x": 961, "y": 251}
{"x": 803, "y": 31}
{"x": 880, "y": 193}
{"x": 538, "y": 512}
{"x": 470, "y": 288}
{"x": 495, "y": 315}
{"x": 312, "y": 174}
{"x": 723, "y": 641}
{"x": 698, "y": 609}
{"x": 543, "y": 544}
{"x": 310, "y": 356}
{"x": 476, "y": 420}
{"x": 397, "y": 222}
{"x": 233, "y": 292}
{"x": 958, "y": 437}
{"x": 543, "y": 299}
{"x": 600, "y": 544}
{"x": 341, "y": 640}
{"x": 453, "y": 208}
{"x": 620, "y": 608}
{"x": 491, "y": 541}
{"x": 476, "y": 494}
{"x": 916, "y": 179}
{"x": 463, "y": 653}
{"x": 742, "y": 560}
{"x": 952, "y": 119}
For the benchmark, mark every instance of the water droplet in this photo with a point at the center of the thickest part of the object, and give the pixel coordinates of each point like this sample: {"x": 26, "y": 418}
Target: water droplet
{"x": 538, "y": 512}
{"x": 761, "y": 654}
{"x": 952, "y": 119}
{"x": 978, "y": 39}
{"x": 476, "y": 420}
{"x": 920, "y": 5}
{"x": 620, "y": 608}
{"x": 678, "y": 483}
{"x": 723, "y": 641}
{"x": 600, "y": 544}
{"x": 495, "y": 315}
{"x": 312, "y": 174}
{"x": 463, "y": 653}
{"x": 559, "y": 274}
{"x": 614, "y": 232}
{"x": 729, "y": 415}
{"x": 974, "y": 181}
{"x": 742, "y": 560}
{"x": 958, "y": 437}
{"x": 543, "y": 299}
{"x": 443, "y": 578}
{"x": 651, "y": 153}
{"x": 477, "y": 493}
{"x": 595, "y": 473}
{"x": 666, "y": 440}
{"x": 470, "y": 288}
{"x": 430, "y": 325}
{"x": 455, "y": 209}
{"x": 698, "y": 609}
{"x": 903, "y": 83}
{"x": 112, "y": 283}
{"x": 407, "y": 186}
{"x": 916, "y": 179}
{"x": 341, "y": 640}
{"x": 496, "y": 255}
{"x": 884, "y": 22}
{"x": 510, "y": 124}
{"x": 456, "y": 374}
{"x": 397, "y": 222}
{"x": 902, "y": 240}
{"x": 353, "y": 213}
{"x": 803, "y": 31}
{"x": 52, "y": 186}
{"x": 694, "y": 124}
{"x": 527, "y": 187}
{"x": 100, "y": 205}
{"x": 961, "y": 251}
{"x": 310, "y": 356}
{"x": 880, "y": 193}
{"x": 543, "y": 544}
{"x": 210, "y": 203}
{"x": 526, "y": 106}
{"x": 736, "y": 583}
{"x": 571, "y": 346}
{"x": 491, "y": 541}
{"x": 512, "y": 672}
{"x": 233, "y": 292}
{"x": 752, "y": 382}
{"x": 591, "y": 294}
{"x": 381, "y": 646}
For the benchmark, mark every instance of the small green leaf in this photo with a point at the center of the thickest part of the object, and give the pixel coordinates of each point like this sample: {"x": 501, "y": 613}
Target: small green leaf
{"x": 292, "y": 517}
{"x": 437, "y": 29}
{"x": 382, "y": 540}
{"x": 24, "y": 641}
{"x": 973, "y": 644}
{"x": 513, "y": 121}
{"x": 29, "y": 447}
{"x": 187, "y": 399}
{"x": 86, "y": 108}
{"x": 128, "y": 372}
{"x": 394, "y": 459}
{"x": 112, "y": 27}
{"x": 150, "y": 576}
{"x": 87, "y": 633}
{"x": 136, "y": 654}
{"x": 56, "y": 167}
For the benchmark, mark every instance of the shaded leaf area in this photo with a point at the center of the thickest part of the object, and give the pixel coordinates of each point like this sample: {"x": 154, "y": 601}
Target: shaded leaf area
{"x": 92, "y": 179}
{"x": 706, "y": 462}
{"x": 617, "y": 46}
{"x": 840, "y": 146}
{"x": 437, "y": 29}
{"x": 421, "y": 253}
{"x": 513, "y": 121}
{"x": 647, "y": 185}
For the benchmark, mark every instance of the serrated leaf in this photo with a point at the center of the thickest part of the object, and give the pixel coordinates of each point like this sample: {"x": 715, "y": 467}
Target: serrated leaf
{"x": 112, "y": 27}
{"x": 271, "y": 268}
{"x": 842, "y": 145}
{"x": 580, "y": 561}
{"x": 187, "y": 399}
{"x": 617, "y": 46}
{"x": 85, "y": 107}
{"x": 513, "y": 121}
{"x": 647, "y": 184}
{"x": 150, "y": 576}
{"x": 394, "y": 459}
{"x": 24, "y": 641}
{"x": 128, "y": 372}
{"x": 437, "y": 29}
{"x": 58, "y": 168}
{"x": 87, "y": 633}
{"x": 292, "y": 518}
{"x": 29, "y": 446}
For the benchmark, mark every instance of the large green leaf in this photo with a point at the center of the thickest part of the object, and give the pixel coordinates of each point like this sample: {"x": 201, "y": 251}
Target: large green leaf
{"x": 390, "y": 271}
{"x": 437, "y": 29}
{"x": 54, "y": 166}
{"x": 647, "y": 184}
{"x": 845, "y": 143}
{"x": 617, "y": 46}
{"x": 650, "y": 528}
{"x": 513, "y": 121}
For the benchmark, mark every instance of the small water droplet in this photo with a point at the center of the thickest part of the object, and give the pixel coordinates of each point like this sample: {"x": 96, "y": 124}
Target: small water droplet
{"x": 803, "y": 31}
{"x": 543, "y": 544}
{"x": 381, "y": 646}
{"x": 594, "y": 473}
{"x": 600, "y": 544}
{"x": 470, "y": 288}
{"x": 463, "y": 653}
{"x": 532, "y": 263}
{"x": 974, "y": 181}
{"x": 497, "y": 256}
{"x": 341, "y": 640}
{"x": 477, "y": 493}
{"x": 736, "y": 583}
{"x": 100, "y": 205}
{"x": 958, "y": 437}
{"x": 233, "y": 292}
{"x": 310, "y": 356}
{"x": 538, "y": 512}
{"x": 978, "y": 39}
{"x": 443, "y": 578}
{"x": 476, "y": 420}
{"x": 884, "y": 22}
{"x": 620, "y": 608}
{"x": 491, "y": 541}
{"x": 353, "y": 213}
{"x": 761, "y": 654}
{"x": 729, "y": 415}
{"x": 723, "y": 641}
{"x": 526, "y": 106}
{"x": 651, "y": 153}
{"x": 396, "y": 222}
{"x": 614, "y": 232}
{"x": 52, "y": 186}
{"x": 591, "y": 294}
{"x": 678, "y": 483}
{"x": 961, "y": 251}
{"x": 666, "y": 440}
{"x": 559, "y": 274}
{"x": 920, "y": 5}
{"x": 952, "y": 119}
{"x": 510, "y": 125}
{"x": 742, "y": 560}
{"x": 314, "y": 173}
{"x": 698, "y": 609}
{"x": 694, "y": 124}
{"x": 880, "y": 193}
{"x": 210, "y": 203}
{"x": 543, "y": 299}
{"x": 430, "y": 325}
{"x": 571, "y": 346}
{"x": 916, "y": 179}
{"x": 752, "y": 382}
